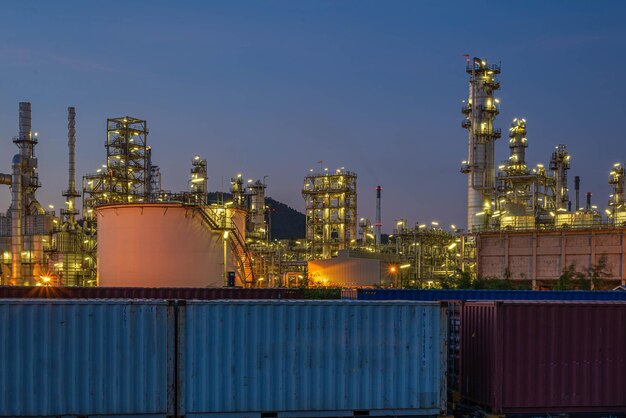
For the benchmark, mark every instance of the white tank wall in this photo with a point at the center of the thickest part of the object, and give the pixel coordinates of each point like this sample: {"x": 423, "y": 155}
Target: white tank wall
{"x": 158, "y": 245}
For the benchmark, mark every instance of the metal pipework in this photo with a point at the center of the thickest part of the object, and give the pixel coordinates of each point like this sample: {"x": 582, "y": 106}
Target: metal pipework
{"x": 6, "y": 179}
{"x": 379, "y": 222}
{"x": 16, "y": 219}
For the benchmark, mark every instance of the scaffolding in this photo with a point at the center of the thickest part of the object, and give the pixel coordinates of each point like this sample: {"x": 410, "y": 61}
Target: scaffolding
{"x": 127, "y": 160}
{"x": 331, "y": 204}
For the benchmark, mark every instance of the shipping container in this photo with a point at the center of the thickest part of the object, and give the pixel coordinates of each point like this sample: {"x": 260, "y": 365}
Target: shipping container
{"x": 544, "y": 357}
{"x": 71, "y": 292}
{"x": 469, "y": 294}
{"x": 86, "y": 358}
{"x": 312, "y": 358}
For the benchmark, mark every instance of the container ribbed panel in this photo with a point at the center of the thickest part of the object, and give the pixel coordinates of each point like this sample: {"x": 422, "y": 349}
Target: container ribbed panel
{"x": 545, "y": 357}
{"x": 82, "y": 357}
{"x": 264, "y": 356}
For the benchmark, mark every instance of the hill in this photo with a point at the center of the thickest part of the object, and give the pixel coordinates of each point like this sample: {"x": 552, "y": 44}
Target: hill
{"x": 287, "y": 223}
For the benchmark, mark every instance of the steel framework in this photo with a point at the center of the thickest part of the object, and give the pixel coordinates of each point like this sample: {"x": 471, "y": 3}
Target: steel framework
{"x": 331, "y": 204}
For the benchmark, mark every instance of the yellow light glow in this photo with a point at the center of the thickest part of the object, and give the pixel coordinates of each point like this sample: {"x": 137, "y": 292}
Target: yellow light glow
{"x": 405, "y": 266}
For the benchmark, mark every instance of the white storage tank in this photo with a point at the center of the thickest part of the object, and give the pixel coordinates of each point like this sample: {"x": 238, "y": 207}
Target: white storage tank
{"x": 164, "y": 245}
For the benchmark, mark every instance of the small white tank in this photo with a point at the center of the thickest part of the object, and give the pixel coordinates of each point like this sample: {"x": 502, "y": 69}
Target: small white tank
{"x": 161, "y": 245}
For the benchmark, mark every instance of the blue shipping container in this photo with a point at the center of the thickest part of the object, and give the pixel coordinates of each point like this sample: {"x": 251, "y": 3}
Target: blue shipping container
{"x": 83, "y": 358}
{"x": 312, "y": 358}
{"x": 467, "y": 294}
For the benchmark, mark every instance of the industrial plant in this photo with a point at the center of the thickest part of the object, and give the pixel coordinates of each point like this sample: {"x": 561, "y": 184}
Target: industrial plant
{"x": 523, "y": 223}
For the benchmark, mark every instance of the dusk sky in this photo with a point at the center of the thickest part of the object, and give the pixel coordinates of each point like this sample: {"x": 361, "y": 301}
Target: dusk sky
{"x": 268, "y": 88}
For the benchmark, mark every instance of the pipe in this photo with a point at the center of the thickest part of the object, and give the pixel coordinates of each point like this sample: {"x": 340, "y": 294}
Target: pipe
{"x": 16, "y": 219}
{"x": 6, "y": 179}
{"x": 379, "y": 223}
{"x": 588, "y": 201}
{"x": 577, "y": 188}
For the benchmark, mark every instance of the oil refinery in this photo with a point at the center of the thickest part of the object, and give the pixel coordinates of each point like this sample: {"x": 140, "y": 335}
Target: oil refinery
{"x": 523, "y": 223}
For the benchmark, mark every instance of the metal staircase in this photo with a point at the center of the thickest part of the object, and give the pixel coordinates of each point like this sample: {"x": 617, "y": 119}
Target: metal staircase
{"x": 219, "y": 221}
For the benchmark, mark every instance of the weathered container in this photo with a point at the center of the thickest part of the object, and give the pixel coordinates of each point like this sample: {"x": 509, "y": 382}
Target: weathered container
{"x": 84, "y": 358}
{"x": 203, "y": 293}
{"x": 468, "y": 294}
{"x": 312, "y": 358}
{"x": 544, "y": 357}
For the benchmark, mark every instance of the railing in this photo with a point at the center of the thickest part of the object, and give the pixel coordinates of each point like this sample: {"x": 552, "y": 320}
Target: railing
{"x": 221, "y": 222}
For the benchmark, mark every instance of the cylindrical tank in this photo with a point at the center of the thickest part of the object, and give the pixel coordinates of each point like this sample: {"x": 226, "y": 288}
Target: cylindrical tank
{"x": 160, "y": 245}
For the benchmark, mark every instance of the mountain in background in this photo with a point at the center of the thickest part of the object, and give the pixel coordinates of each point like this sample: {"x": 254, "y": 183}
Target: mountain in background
{"x": 287, "y": 223}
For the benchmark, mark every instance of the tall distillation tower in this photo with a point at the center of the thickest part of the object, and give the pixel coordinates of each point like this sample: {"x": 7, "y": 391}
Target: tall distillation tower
{"x": 617, "y": 200}
{"x": 480, "y": 112}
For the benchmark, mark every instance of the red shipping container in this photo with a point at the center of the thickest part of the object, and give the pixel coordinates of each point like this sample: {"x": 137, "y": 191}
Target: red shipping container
{"x": 50, "y": 292}
{"x": 544, "y": 357}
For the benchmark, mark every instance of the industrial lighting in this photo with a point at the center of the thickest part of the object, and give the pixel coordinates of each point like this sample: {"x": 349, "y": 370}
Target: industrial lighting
{"x": 404, "y": 266}
{"x": 435, "y": 223}
{"x": 392, "y": 269}
{"x": 608, "y": 212}
{"x": 451, "y": 246}
{"x": 453, "y": 226}
{"x": 480, "y": 213}
{"x": 51, "y": 206}
{"x": 225, "y": 234}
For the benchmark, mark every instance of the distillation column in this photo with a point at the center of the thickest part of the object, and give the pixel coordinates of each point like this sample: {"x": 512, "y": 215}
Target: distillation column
{"x": 559, "y": 165}
{"x": 379, "y": 222}
{"x": 616, "y": 201}
{"x": 480, "y": 112}
{"x": 198, "y": 182}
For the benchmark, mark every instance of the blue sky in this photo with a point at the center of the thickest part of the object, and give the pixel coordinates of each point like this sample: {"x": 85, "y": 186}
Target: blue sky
{"x": 268, "y": 88}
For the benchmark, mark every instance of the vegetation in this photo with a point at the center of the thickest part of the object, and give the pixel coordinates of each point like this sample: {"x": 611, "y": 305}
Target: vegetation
{"x": 464, "y": 280}
{"x": 571, "y": 279}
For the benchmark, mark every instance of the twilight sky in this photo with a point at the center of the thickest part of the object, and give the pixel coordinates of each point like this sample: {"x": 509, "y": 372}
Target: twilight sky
{"x": 268, "y": 88}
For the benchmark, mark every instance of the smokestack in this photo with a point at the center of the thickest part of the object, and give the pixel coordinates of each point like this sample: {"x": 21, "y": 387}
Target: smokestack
{"x": 577, "y": 188}
{"x": 588, "y": 200}
{"x": 379, "y": 222}
{"x": 71, "y": 183}
{"x": 25, "y": 144}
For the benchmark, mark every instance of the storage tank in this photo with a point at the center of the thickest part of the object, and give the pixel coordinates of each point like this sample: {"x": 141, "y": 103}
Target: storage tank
{"x": 164, "y": 245}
